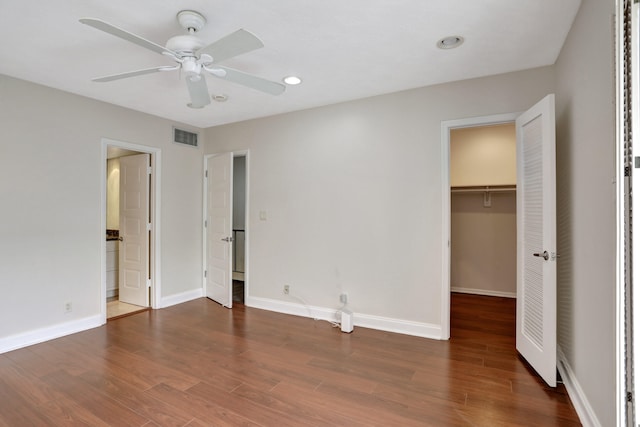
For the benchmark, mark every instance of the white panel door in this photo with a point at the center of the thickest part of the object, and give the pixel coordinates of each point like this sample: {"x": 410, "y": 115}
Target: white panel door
{"x": 536, "y": 211}
{"x": 134, "y": 217}
{"x": 219, "y": 228}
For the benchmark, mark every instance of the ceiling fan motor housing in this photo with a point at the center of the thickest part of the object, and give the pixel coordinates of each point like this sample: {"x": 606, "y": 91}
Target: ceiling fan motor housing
{"x": 185, "y": 45}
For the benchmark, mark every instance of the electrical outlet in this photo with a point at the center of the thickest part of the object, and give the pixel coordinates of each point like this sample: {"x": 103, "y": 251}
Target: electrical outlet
{"x": 343, "y": 298}
{"x": 285, "y": 290}
{"x": 68, "y": 307}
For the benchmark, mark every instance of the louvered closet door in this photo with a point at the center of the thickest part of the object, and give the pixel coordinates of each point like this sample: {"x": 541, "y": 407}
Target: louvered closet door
{"x": 536, "y": 200}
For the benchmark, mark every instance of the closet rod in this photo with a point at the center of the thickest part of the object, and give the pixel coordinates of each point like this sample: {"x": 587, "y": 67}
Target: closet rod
{"x": 484, "y": 189}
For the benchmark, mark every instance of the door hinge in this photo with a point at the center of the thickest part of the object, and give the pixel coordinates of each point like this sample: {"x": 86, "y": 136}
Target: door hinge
{"x": 206, "y": 174}
{"x": 205, "y": 273}
{"x": 148, "y": 283}
{"x": 149, "y": 226}
{"x": 148, "y": 170}
{"x": 205, "y": 223}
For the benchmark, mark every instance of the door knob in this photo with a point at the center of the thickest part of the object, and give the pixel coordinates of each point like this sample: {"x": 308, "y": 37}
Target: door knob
{"x": 227, "y": 239}
{"x": 544, "y": 255}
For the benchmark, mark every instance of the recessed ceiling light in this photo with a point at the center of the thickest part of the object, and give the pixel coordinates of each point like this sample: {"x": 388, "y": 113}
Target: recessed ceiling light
{"x": 292, "y": 80}
{"x": 220, "y": 97}
{"x": 450, "y": 42}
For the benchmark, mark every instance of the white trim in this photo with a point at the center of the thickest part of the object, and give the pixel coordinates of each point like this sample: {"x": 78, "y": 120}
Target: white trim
{"x": 186, "y": 296}
{"x": 14, "y": 342}
{"x": 155, "y": 197}
{"x": 247, "y": 222}
{"x": 579, "y": 400}
{"x": 398, "y": 326}
{"x": 445, "y": 130}
{"x": 622, "y": 411}
{"x": 484, "y": 292}
{"x": 204, "y": 218}
{"x": 407, "y": 327}
{"x": 296, "y": 309}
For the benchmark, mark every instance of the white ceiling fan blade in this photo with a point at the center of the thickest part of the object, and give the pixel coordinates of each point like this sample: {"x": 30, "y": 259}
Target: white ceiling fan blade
{"x": 250, "y": 80}
{"x": 198, "y": 92}
{"x": 236, "y": 43}
{"x": 133, "y": 73}
{"x": 125, "y": 35}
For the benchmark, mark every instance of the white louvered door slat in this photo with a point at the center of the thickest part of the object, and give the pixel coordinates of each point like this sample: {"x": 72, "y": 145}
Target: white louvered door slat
{"x": 533, "y": 204}
{"x": 536, "y": 289}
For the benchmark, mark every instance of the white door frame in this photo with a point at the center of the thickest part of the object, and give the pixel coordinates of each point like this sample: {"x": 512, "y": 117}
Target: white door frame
{"x": 445, "y": 135}
{"x": 247, "y": 233}
{"x": 154, "y": 194}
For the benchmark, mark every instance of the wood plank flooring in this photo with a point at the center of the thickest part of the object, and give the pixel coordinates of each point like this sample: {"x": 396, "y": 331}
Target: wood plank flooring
{"x": 199, "y": 364}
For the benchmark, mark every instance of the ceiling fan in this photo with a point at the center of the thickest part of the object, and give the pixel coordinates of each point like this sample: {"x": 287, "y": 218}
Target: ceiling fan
{"x": 193, "y": 57}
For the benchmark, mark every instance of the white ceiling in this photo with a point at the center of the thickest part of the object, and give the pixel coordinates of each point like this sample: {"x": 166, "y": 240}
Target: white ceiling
{"x": 342, "y": 49}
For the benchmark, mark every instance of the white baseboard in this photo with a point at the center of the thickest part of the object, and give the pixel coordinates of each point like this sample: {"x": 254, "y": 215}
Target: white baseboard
{"x": 399, "y": 326}
{"x": 174, "y": 299}
{"x": 578, "y": 398}
{"x": 407, "y": 327}
{"x": 14, "y": 342}
{"x": 295, "y": 309}
{"x": 483, "y": 292}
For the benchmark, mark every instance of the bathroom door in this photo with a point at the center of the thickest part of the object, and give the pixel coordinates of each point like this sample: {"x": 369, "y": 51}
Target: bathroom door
{"x": 219, "y": 240}
{"x": 134, "y": 230}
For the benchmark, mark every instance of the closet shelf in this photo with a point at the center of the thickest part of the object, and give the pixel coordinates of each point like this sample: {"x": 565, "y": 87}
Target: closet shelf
{"x": 484, "y": 189}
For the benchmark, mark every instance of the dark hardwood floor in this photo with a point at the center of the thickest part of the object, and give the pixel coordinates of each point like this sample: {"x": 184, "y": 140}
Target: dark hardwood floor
{"x": 199, "y": 364}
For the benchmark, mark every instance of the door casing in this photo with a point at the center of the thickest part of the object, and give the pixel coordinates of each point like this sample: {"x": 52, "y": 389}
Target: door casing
{"x": 247, "y": 238}
{"x": 445, "y": 132}
{"x": 155, "y": 191}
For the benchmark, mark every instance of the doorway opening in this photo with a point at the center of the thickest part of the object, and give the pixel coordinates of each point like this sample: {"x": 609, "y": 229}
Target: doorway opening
{"x": 483, "y": 179}
{"x": 130, "y": 221}
{"x": 478, "y": 209}
{"x": 239, "y": 226}
{"x": 226, "y": 234}
{"x": 483, "y": 226}
{"x": 536, "y": 256}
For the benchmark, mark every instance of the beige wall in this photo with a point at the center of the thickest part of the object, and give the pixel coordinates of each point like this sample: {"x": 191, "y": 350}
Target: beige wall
{"x": 353, "y": 195}
{"x": 51, "y": 237}
{"x": 113, "y": 194}
{"x": 586, "y": 204}
{"x": 483, "y": 155}
{"x": 483, "y": 238}
{"x": 483, "y": 244}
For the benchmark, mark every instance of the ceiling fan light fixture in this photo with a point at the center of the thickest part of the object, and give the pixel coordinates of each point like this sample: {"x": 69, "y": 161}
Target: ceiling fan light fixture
{"x": 292, "y": 80}
{"x": 450, "y": 42}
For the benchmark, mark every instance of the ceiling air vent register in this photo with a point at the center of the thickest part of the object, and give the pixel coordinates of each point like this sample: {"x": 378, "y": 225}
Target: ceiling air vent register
{"x": 184, "y": 137}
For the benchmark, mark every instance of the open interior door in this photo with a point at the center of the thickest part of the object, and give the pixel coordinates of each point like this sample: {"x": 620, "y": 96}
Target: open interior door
{"x": 536, "y": 211}
{"x": 134, "y": 231}
{"x": 219, "y": 228}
